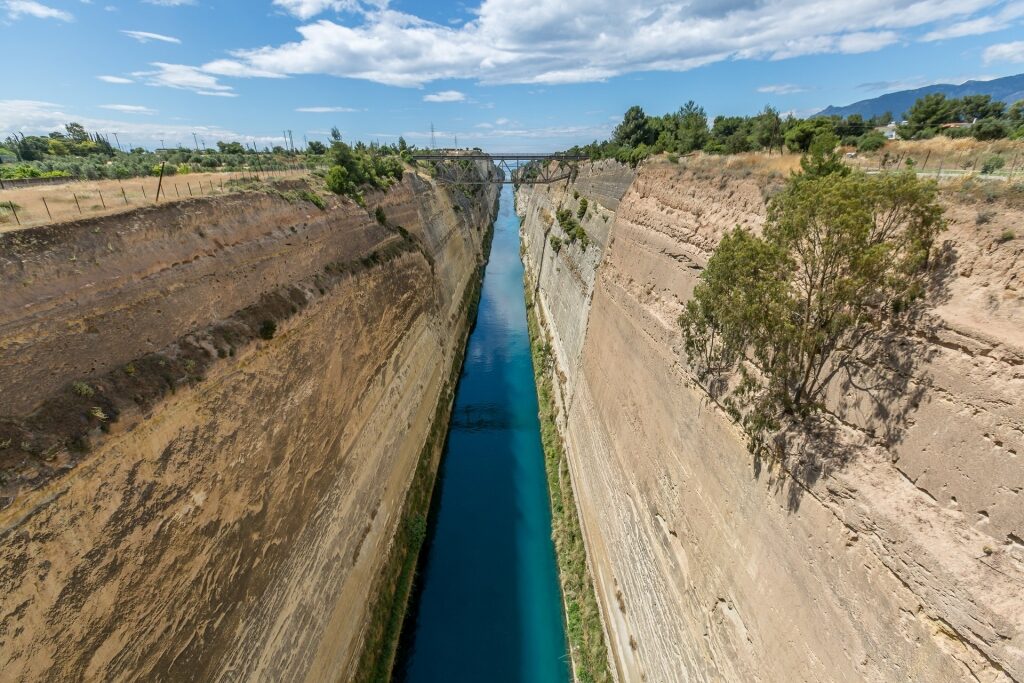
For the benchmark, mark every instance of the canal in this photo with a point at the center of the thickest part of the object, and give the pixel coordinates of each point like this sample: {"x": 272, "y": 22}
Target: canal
{"x": 487, "y": 605}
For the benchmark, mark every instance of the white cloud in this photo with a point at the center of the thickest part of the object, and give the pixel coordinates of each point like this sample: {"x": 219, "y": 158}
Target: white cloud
{"x": 571, "y": 41}
{"x": 146, "y": 36}
{"x": 325, "y": 110}
{"x": 33, "y": 117}
{"x": 781, "y": 89}
{"x": 445, "y": 96}
{"x": 974, "y": 27}
{"x": 170, "y": 3}
{"x": 129, "y": 109}
{"x": 305, "y": 9}
{"x": 1005, "y": 52}
{"x": 29, "y": 8}
{"x": 115, "y": 79}
{"x": 184, "y": 77}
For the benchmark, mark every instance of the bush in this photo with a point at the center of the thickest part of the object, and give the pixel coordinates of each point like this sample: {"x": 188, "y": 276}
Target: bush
{"x": 82, "y": 389}
{"x": 268, "y": 328}
{"x": 871, "y": 141}
{"x": 379, "y": 214}
{"x": 582, "y": 211}
{"x": 1006, "y": 236}
{"x": 993, "y": 164}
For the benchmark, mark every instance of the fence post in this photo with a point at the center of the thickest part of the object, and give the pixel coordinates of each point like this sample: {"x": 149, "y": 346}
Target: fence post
{"x": 159, "y": 183}
{"x": 124, "y": 195}
{"x": 144, "y": 191}
{"x": 15, "y": 212}
{"x": 47, "y": 207}
{"x": 100, "y": 193}
{"x": 176, "y": 190}
{"x": 75, "y": 195}
{"x": 189, "y": 189}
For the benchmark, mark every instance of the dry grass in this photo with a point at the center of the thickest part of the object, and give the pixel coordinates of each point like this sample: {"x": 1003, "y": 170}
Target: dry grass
{"x": 77, "y": 199}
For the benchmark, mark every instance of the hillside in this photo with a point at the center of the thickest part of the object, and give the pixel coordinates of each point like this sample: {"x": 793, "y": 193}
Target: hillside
{"x": 1008, "y": 89}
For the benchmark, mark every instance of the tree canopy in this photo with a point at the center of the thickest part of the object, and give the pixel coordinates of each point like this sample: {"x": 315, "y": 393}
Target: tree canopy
{"x": 841, "y": 263}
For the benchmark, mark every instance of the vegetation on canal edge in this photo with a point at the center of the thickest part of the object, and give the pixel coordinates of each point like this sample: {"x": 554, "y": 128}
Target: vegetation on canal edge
{"x": 395, "y": 580}
{"x": 584, "y": 629}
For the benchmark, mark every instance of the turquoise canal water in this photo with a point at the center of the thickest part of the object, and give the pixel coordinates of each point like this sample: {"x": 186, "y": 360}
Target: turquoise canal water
{"x": 487, "y": 606}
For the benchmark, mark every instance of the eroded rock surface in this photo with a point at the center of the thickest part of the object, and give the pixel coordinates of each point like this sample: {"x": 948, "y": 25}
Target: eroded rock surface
{"x": 902, "y": 562}
{"x": 226, "y": 515}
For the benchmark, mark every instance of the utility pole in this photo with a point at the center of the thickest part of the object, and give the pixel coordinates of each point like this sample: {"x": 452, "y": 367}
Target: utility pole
{"x": 195, "y": 138}
{"x": 305, "y": 142}
{"x": 118, "y": 143}
{"x": 433, "y": 140}
{"x": 456, "y": 141}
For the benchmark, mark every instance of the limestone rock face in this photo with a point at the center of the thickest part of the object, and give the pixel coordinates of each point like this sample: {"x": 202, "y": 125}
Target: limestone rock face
{"x": 905, "y": 562}
{"x": 267, "y": 374}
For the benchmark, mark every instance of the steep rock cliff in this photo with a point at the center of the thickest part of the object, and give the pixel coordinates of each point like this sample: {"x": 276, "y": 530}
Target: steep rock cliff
{"x": 902, "y": 562}
{"x": 212, "y": 413}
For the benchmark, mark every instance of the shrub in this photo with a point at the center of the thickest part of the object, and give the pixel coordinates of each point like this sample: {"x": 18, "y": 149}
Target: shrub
{"x": 82, "y": 389}
{"x": 871, "y": 141}
{"x": 556, "y": 243}
{"x": 1006, "y": 236}
{"x": 983, "y": 217}
{"x": 379, "y": 214}
{"x": 993, "y": 164}
{"x": 582, "y": 211}
{"x": 806, "y": 302}
{"x": 268, "y": 328}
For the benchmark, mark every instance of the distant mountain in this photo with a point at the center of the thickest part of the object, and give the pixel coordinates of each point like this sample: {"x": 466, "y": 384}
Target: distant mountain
{"x": 1009, "y": 89}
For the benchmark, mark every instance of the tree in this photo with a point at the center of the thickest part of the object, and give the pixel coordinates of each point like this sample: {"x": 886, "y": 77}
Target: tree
{"x": 926, "y": 115}
{"x": 77, "y": 132}
{"x": 230, "y": 147}
{"x": 635, "y": 129}
{"x": 335, "y": 134}
{"x": 768, "y": 129}
{"x": 800, "y": 136}
{"x": 823, "y": 158}
{"x": 842, "y": 262}
{"x": 315, "y": 147}
{"x": 977, "y": 107}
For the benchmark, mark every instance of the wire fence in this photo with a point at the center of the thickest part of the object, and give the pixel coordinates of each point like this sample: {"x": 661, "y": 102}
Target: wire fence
{"x": 955, "y": 165}
{"x": 41, "y": 204}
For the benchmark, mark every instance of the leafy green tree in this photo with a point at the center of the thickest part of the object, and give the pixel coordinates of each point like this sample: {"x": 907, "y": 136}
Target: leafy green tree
{"x": 823, "y": 158}
{"x": 315, "y": 147}
{"x": 972, "y": 107}
{"x": 927, "y": 114}
{"x": 230, "y": 147}
{"x": 800, "y": 136}
{"x": 635, "y": 129}
{"x": 990, "y": 129}
{"x": 870, "y": 141}
{"x": 842, "y": 261}
{"x": 768, "y": 132}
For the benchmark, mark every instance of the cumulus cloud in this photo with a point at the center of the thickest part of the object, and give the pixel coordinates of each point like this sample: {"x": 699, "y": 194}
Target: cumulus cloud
{"x": 1005, "y": 52}
{"x": 445, "y": 96}
{"x": 29, "y": 8}
{"x": 570, "y": 41}
{"x": 146, "y": 36}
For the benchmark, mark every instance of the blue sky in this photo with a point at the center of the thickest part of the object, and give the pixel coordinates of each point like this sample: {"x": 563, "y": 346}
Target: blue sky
{"x": 509, "y": 74}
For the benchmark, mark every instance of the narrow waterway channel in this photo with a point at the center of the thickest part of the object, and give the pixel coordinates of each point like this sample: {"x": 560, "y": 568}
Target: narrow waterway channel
{"x": 487, "y": 606}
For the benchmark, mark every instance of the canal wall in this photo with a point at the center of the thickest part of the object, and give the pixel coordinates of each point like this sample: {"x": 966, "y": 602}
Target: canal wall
{"x": 903, "y": 562}
{"x": 216, "y": 416}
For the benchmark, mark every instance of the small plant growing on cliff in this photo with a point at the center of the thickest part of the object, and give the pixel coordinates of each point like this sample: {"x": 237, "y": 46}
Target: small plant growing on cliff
{"x": 98, "y": 413}
{"x": 834, "y": 282}
{"x": 268, "y": 328}
{"x": 582, "y": 211}
{"x": 1006, "y": 236}
{"x": 379, "y": 214}
{"x": 556, "y": 243}
{"x": 82, "y": 389}
{"x": 129, "y": 370}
